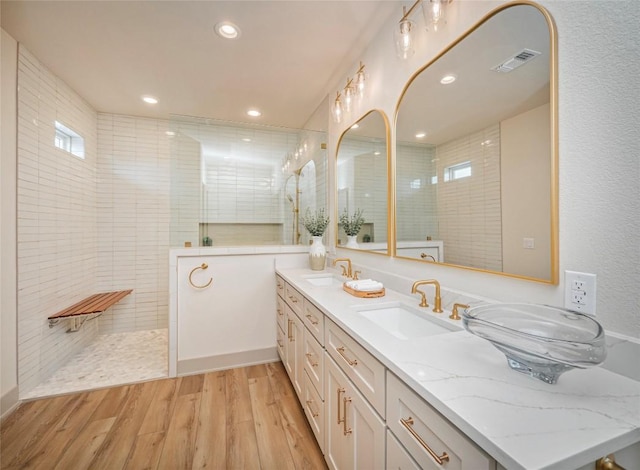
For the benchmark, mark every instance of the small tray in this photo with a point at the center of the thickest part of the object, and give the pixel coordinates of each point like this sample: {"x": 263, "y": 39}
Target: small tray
{"x": 362, "y": 294}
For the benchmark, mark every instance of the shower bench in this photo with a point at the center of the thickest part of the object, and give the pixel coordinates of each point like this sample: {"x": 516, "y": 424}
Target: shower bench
{"x": 96, "y": 303}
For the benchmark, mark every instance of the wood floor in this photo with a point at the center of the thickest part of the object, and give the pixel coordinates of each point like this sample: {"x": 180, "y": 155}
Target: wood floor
{"x": 248, "y": 418}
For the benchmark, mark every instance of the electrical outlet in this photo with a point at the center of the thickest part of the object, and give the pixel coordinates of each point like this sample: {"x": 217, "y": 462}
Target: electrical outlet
{"x": 580, "y": 292}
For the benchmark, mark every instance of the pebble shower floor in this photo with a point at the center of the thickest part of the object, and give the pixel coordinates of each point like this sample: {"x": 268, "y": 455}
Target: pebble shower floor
{"x": 113, "y": 359}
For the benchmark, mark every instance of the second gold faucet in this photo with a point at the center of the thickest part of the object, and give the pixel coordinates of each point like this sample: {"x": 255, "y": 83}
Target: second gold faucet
{"x": 423, "y": 301}
{"x": 346, "y": 272}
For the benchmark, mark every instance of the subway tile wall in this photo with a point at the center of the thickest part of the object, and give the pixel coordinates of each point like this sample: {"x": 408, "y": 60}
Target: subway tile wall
{"x": 57, "y": 229}
{"x": 134, "y": 220}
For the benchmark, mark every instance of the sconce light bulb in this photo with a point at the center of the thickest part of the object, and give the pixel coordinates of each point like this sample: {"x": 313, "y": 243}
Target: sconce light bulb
{"x": 404, "y": 39}
{"x": 434, "y": 12}
{"x": 336, "y": 110}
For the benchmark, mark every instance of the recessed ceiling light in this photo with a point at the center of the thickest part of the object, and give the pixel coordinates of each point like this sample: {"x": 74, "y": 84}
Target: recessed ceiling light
{"x": 355, "y": 126}
{"x": 254, "y": 113}
{"x": 227, "y": 30}
{"x": 420, "y": 135}
{"x": 448, "y": 79}
{"x": 246, "y": 139}
{"x": 150, "y": 99}
{"x": 376, "y": 153}
{"x": 170, "y": 133}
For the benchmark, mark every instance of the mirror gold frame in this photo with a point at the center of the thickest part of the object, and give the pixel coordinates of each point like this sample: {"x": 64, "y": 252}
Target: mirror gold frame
{"x": 390, "y": 186}
{"x": 553, "y": 100}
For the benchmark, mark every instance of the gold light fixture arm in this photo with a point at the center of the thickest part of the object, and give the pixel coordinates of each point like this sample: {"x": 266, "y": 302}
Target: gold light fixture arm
{"x": 203, "y": 266}
{"x": 407, "y": 13}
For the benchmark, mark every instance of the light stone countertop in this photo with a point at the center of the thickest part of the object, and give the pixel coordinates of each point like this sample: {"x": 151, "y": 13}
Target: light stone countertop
{"x": 522, "y": 422}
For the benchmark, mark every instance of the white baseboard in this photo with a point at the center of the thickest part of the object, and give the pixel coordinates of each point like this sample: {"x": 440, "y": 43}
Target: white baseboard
{"x": 227, "y": 361}
{"x": 8, "y": 403}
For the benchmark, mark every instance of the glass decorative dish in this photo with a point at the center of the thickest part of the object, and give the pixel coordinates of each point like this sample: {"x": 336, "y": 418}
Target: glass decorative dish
{"x": 539, "y": 340}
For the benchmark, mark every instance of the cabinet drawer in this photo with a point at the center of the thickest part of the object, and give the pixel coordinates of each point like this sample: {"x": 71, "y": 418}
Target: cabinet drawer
{"x": 314, "y": 361}
{"x": 419, "y": 427}
{"x": 294, "y": 299}
{"x": 280, "y": 286}
{"x": 361, "y": 367}
{"x": 313, "y": 319}
{"x": 280, "y": 343}
{"x": 314, "y": 409}
{"x": 280, "y": 311}
{"x": 397, "y": 456}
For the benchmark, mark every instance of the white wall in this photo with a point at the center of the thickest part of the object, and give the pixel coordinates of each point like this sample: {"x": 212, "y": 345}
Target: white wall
{"x": 598, "y": 151}
{"x": 8, "y": 306}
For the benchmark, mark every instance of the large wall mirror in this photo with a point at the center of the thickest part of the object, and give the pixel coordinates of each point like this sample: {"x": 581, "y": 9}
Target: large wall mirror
{"x": 362, "y": 184}
{"x": 476, "y": 151}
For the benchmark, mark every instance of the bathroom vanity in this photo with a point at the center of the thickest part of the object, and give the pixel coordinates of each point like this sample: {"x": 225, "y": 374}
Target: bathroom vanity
{"x": 385, "y": 384}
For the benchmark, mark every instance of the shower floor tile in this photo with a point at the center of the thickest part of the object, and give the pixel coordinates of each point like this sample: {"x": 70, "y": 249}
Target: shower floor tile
{"x": 112, "y": 359}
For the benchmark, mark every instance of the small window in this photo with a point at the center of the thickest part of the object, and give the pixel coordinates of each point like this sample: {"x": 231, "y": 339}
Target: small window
{"x": 456, "y": 172}
{"x": 416, "y": 184}
{"x": 68, "y": 140}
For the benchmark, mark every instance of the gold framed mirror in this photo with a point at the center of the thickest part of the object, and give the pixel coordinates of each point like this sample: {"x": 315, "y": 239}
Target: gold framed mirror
{"x": 476, "y": 151}
{"x": 362, "y": 185}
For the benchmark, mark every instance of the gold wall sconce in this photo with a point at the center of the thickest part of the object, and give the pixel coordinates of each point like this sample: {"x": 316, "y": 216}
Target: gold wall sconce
{"x": 434, "y": 12}
{"x": 354, "y": 89}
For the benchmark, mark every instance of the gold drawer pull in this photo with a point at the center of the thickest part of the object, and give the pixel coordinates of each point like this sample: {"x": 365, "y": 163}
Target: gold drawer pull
{"x": 309, "y": 356}
{"x": 289, "y": 322}
{"x": 315, "y": 414}
{"x": 280, "y": 312}
{"x": 203, "y": 266}
{"x": 340, "y": 392}
{"x": 440, "y": 459}
{"x": 346, "y": 431}
{"x": 349, "y": 361}
{"x": 280, "y": 344}
{"x": 608, "y": 463}
{"x": 312, "y": 319}
{"x": 293, "y": 299}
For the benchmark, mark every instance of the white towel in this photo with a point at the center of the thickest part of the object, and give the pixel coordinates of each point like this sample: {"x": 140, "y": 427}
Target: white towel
{"x": 365, "y": 285}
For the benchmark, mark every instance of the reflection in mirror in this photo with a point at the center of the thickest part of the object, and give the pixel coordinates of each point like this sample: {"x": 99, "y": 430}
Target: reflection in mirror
{"x": 362, "y": 183}
{"x": 475, "y": 158}
{"x": 231, "y": 183}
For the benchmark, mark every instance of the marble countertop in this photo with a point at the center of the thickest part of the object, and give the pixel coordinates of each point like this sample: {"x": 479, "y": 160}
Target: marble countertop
{"x": 522, "y": 422}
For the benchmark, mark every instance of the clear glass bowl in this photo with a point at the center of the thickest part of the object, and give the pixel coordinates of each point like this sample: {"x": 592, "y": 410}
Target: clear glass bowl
{"x": 539, "y": 340}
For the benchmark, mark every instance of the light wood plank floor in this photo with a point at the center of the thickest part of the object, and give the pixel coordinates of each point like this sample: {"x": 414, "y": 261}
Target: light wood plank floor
{"x": 247, "y": 418}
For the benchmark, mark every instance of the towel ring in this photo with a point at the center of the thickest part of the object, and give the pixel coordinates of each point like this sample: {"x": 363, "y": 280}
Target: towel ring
{"x": 203, "y": 266}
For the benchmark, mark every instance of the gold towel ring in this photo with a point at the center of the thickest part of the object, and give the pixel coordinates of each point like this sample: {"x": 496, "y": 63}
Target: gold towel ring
{"x": 202, "y": 266}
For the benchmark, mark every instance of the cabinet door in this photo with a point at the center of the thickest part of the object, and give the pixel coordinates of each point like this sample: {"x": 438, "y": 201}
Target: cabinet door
{"x": 280, "y": 312}
{"x": 397, "y": 457}
{"x": 281, "y": 344}
{"x": 294, "y": 346}
{"x": 314, "y": 361}
{"x": 355, "y": 432}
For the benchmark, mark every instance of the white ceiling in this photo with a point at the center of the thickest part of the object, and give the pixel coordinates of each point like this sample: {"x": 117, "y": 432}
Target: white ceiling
{"x": 288, "y": 56}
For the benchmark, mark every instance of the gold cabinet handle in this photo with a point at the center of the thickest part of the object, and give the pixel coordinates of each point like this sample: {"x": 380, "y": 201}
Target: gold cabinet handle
{"x": 279, "y": 311}
{"x": 440, "y": 459}
{"x": 345, "y": 429}
{"x": 349, "y": 361}
{"x": 312, "y": 319}
{"x": 315, "y": 414}
{"x": 289, "y": 322}
{"x": 280, "y": 344}
{"x": 309, "y": 356}
{"x": 203, "y": 266}
{"x": 608, "y": 463}
{"x": 340, "y": 392}
{"x": 293, "y": 299}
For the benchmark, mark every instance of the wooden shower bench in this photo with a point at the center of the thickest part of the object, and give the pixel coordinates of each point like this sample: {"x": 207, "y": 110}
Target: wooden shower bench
{"x": 96, "y": 303}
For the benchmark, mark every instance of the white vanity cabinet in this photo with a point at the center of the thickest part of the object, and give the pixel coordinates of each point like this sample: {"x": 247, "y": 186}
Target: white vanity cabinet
{"x": 294, "y": 350}
{"x": 430, "y": 439}
{"x": 355, "y": 437}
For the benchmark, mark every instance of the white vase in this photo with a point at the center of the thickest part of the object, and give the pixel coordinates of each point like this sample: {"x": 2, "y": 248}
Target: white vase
{"x": 317, "y": 254}
{"x": 352, "y": 241}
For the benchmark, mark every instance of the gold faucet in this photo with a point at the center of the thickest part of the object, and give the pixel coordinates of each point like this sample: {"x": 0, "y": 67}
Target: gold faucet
{"x": 423, "y": 302}
{"x": 454, "y": 313}
{"x": 346, "y": 272}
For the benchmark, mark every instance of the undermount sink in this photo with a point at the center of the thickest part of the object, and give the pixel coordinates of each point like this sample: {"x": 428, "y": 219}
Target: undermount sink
{"x": 323, "y": 280}
{"x": 401, "y": 322}
{"x": 539, "y": 340}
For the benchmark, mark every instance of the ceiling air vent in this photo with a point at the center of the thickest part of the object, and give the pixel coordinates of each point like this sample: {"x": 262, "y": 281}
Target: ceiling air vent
{"x": 521, "y": 58}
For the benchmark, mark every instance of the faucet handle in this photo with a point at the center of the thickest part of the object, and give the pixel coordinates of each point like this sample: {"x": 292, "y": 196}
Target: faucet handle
{"x": 355, "y": 275}
{"x": 454, "y": 313}
{"x": 344, "y": 271}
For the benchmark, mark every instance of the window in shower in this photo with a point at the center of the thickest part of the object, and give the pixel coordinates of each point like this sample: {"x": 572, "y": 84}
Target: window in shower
{"x": 68, "y": 140}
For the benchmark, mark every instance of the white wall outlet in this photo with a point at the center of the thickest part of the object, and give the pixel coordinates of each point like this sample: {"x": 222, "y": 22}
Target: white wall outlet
{"x": 528, "y": 243}
{"x": 580, "y": 292}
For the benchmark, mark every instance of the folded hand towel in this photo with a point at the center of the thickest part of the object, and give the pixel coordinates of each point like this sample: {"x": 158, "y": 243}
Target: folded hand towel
{"x": 365, "y": 285}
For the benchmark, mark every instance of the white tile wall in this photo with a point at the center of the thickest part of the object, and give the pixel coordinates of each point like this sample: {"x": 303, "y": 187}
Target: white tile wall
{"x": 57, "y": 229}
{"x": 134, "y": 220}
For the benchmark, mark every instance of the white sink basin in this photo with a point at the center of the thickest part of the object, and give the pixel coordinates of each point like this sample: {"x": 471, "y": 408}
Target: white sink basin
{"x": 323, "y": 280}
{"x": 402, "y": 323}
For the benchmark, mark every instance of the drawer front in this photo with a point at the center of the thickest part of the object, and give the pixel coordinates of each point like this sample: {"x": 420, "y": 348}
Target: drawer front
{"x": 364, "y": 370}
{"x": 397, "y": 456}
{"x": 280, "y": 286}
{"x": 313, "y": 319}
{"x": 314, "y": 361}
{"x": 421, "y": 429}
{"x": 280, "y": 343}
{"x": 294, "y": 299}
{"x": 314, "y": 409}
{"x": 280, "y": 311}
